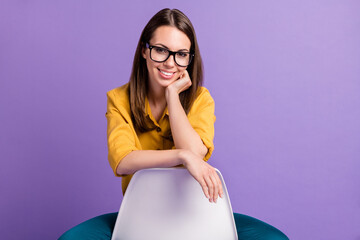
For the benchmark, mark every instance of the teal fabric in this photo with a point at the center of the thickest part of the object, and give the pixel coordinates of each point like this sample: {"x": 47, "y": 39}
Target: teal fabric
{"x": 101, "y": 227}
{"x": 249, "y": 228}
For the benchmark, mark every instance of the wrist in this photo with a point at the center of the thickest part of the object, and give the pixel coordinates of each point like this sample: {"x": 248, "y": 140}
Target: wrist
{"x": 170, "y": 93}
{"x": 183, "y": 156}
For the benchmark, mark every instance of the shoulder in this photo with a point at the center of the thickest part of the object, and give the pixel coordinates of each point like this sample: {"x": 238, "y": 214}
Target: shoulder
{"x": 121, "y": 94}
{"x": 119, "y": 98}
{"x": 203, "y": 96}
{"x": 203, "y": 99}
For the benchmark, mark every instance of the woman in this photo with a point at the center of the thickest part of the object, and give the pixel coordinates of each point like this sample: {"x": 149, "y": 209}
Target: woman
{"x": 163, "y": 118}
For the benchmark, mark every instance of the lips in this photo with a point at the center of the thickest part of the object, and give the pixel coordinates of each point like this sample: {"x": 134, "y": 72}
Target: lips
{"x": 165, "y": 74}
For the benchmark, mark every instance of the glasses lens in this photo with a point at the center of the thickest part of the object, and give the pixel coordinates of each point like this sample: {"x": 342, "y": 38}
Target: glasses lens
{"x": 182, "y": 58}
{"x": 159, "y": 54}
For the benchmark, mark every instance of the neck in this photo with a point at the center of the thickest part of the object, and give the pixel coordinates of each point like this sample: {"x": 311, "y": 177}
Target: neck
{"x": 156, "y": 95}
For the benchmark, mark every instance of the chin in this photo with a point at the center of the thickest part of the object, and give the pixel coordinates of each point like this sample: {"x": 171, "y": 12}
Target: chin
{"x": 165, "y": 83}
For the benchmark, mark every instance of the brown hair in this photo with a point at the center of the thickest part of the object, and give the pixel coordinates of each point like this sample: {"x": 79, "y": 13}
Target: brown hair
{"x": 138, "y": 84}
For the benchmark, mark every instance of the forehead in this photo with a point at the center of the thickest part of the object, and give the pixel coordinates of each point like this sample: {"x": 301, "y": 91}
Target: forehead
{"x": 171, "y": 37}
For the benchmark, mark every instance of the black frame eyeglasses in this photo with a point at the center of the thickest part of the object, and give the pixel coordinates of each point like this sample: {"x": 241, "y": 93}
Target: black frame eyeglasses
{"x": 169, "y": 53}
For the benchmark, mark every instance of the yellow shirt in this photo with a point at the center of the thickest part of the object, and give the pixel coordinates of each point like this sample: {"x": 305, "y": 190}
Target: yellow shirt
{"x": 123, "y": 138}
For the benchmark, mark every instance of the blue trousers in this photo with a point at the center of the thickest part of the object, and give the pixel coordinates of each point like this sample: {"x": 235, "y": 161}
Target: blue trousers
{"x": 101, "y": 227}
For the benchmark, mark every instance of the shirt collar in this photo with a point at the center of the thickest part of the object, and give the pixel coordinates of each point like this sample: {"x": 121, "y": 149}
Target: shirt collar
{"x": 148, "y": 110}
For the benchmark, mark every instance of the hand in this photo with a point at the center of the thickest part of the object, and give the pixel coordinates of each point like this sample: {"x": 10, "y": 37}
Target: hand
{"x": 204, "y": 174}
{"x": 181, "y": 84}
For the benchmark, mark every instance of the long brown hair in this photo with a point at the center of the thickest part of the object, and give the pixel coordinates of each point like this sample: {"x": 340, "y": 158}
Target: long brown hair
{"x": 138, "y": 84}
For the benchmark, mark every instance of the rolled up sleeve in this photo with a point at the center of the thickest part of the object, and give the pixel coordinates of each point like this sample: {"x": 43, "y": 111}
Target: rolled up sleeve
{"x": 121, "y": 137}
{"x": 202, "y": 119}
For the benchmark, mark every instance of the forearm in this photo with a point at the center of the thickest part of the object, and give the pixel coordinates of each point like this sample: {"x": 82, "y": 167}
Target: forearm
{"x": 141, "y": 159}
{"x": 200, "y": 170}
{"x": 184, "y": 135}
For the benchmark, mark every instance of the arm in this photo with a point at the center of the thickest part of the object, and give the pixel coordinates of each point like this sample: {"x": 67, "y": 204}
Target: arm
{"x": 186, "y": 138}
{"x": 200, "y": 170}
{"x": 141, "y": 159}
{"x": 184, "y": 135}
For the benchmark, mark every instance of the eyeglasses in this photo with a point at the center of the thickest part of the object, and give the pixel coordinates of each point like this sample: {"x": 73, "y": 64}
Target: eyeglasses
{"x": 160, "y": 54}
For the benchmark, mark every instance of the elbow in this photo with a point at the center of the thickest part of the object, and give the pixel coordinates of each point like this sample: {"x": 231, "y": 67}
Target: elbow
{"x": 204, "y": 152}
{"x": 201, "y": 152}
{"x": 124, "y": 167}
{"x": 121, "y": 170}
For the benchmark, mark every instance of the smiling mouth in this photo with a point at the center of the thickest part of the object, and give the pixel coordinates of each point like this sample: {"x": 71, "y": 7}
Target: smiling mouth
{"x": 166, "y": 73}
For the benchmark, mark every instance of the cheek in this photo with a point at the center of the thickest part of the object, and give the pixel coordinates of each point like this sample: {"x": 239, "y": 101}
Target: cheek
{"x": 152, "y": 67}
{"x": 149, "y": 63}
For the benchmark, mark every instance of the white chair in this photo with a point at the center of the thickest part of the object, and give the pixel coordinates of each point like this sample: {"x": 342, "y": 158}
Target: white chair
{"x": 169, "y": 204}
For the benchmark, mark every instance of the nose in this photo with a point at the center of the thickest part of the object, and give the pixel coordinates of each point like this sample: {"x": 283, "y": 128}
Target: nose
{"x": 170, "y": 62}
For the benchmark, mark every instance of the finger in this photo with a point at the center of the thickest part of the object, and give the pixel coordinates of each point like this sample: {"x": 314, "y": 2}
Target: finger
{"x": 210, "y": 186}
{"x": 183, "y": 84}
{"x": 221, "y": 190}
{"x": 216, "y": 186}
{"x": 212, "y": 174}
{"x": 185, "y": 74}
{"x": 187, "y": 85}
{"x": 204, "y": 188}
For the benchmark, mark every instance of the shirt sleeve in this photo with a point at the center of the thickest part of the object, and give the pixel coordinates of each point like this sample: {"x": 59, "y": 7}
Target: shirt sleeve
{"x": 202, "y": 118}
{"x": 121, "y": 136}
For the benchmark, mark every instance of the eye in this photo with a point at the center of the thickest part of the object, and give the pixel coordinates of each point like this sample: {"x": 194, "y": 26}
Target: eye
{"x": 183, "y": 54}
{"x": 160, "y": 50}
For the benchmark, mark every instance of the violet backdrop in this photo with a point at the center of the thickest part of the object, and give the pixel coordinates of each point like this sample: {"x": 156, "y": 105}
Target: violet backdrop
{"x": 285, "y": 76}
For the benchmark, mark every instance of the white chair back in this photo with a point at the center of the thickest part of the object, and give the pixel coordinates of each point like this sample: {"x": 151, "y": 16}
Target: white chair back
{"x": 169, "y": 204}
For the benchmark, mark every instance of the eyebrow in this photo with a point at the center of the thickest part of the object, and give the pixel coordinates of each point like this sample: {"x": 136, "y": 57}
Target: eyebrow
{"x": 162, "y": 45}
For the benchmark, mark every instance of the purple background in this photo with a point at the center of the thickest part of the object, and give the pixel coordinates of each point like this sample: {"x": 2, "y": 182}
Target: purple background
{"x": 285, "y": 76}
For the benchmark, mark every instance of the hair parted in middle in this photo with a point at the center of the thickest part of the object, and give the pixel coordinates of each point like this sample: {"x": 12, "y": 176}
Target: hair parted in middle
{"x": 138, "y": 84}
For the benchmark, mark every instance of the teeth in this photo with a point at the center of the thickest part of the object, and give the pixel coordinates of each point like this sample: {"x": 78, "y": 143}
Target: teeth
{"x": 166, "y": 73}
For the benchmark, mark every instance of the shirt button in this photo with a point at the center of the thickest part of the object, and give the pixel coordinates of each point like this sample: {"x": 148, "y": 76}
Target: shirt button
{"x": 158, "y": 129}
